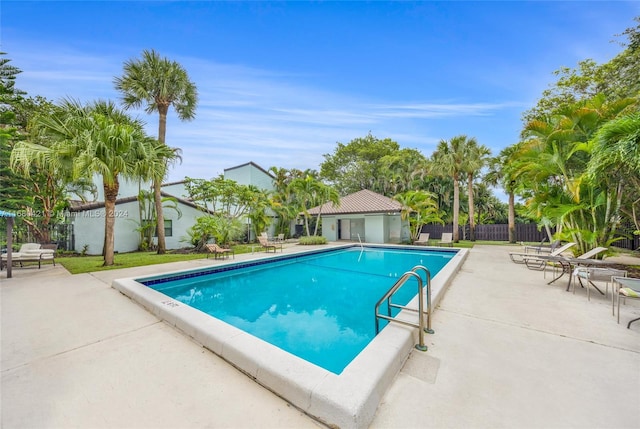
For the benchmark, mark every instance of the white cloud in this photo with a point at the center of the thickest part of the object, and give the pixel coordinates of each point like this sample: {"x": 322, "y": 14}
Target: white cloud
{"x": 247, "y": 114}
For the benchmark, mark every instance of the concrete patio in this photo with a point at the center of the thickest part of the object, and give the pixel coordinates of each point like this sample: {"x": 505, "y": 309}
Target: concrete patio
{"x": 509, "y": 351}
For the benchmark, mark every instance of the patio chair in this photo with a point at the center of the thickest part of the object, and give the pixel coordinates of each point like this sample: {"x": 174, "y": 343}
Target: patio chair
{"x": 219, "y": 251}
{"x": 423, "y": 239}
{"x": 268, "y": 245}
{"x": 446, "y": 239}
{"x": 629, "y": 289}
{"x": 537, "y": 260}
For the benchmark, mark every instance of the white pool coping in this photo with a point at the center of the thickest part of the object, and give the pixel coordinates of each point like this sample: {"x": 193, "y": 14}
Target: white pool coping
{"x": 348, "y": 400}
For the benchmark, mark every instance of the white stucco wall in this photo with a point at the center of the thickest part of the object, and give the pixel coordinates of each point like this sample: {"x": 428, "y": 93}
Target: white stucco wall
{"x": 379, "y": 228}
{"x": 249, "y": 174}
{"x": 89, "y": 228}
{"x": 329, "y": 227}
{"x": 178, "y": 190}
{"x": 374, "y": 229}
{"x": 127, "y": 188}
{"x": 180, "y": 226}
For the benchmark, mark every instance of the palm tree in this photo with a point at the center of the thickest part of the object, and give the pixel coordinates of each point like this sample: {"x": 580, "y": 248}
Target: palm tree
{"x": 501, "y": 170}
{"x": 325, "y": 194}
{"x": 310, "y": 192}
{"x": 96, "y": 138}
{"x": 159, "y": 83}
{"x": 616, "y": 160}
{"x": 420, "y": 208}
{"x": 553, "y": 165}
{"x": 449, "y": 160}
{"x": 476, "y": 157}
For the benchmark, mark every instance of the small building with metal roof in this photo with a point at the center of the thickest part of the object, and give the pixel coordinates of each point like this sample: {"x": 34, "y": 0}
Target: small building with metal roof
{"x": 363, "y": 216}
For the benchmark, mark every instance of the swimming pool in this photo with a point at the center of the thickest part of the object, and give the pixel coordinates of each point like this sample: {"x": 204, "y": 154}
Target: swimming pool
{"x": 348, "y": 399}
{"x": 318, "y": 307}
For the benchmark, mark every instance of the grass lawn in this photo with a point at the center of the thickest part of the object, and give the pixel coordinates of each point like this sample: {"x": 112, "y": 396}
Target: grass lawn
{"x": 87, "y": 264}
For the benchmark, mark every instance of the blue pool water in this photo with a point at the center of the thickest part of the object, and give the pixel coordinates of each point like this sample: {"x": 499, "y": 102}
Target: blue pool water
{"x": 319, "y": 307}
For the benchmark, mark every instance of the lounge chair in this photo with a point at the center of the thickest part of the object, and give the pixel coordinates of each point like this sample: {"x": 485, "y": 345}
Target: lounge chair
{"x": 591, "y": 253}
{"x": 566, "y": 264}
{"x": 629, "y": 288}
{"x": 31, "y": 252}
{"x": 423, "y": 239}
{"x": 219, "y": 251}
{"x": 535, "y": 258}
{"x": 542, "y": 248}
{"x": 446, "y": 239}
{"x": 268, "y": 245}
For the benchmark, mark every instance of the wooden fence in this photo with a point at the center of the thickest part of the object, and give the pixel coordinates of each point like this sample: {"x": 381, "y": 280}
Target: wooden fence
{"x": 527, "y": 232}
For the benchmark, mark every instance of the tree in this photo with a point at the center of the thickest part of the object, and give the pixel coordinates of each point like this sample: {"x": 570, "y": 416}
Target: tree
{"x": 356, "y": 165}
{"x": 420, "y": 208}
{"x": 39, "y": 196}
{"x": 476, "y": 157}
{"x": 159, "y": 84}
{"x": 552, "y": 170}
{"x": 616, "y": 79}
{"x": 616, "y": 160}
{"x": 227, "y": 199}
{"x": 310, "y": 192}
{"x": 217, "y": 226}
{"x": 13, "y": 189}
{"x": 449, "y": 160}
{"x": 96, "y": 138}
{"x": 502, "y": 171}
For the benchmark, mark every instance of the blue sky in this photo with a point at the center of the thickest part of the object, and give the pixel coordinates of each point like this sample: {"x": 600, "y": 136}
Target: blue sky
{"x": 280, "y": 83}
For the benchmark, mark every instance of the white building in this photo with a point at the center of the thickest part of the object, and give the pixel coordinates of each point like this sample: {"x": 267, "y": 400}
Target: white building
{"x": 363, "y": 216}
{"x": 88, "y": 219}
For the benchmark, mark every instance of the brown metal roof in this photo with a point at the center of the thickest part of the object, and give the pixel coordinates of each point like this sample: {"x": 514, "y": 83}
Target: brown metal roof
{"x": 364, "y": 201}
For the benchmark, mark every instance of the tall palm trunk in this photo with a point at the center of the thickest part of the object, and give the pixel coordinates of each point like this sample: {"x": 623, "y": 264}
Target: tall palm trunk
{"x": 157, "y": 183}
{"x": 306, "y": 225}
{"x": 456, "y": 208}
{"x": 315, "y": 231}
{"x": 472, "y": 221}
{"x": 512, "y": 218}
{"x": 110, "y": 197}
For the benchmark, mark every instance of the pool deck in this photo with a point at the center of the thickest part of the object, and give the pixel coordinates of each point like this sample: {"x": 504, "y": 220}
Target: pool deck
{"x": 509, "y": 351}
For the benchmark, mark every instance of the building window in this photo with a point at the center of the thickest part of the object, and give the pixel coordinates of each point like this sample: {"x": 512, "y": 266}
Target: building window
{"x": 168, "y": 227}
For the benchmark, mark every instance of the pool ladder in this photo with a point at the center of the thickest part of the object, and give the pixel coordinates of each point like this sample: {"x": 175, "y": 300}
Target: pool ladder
{"x": 420, "y": 325}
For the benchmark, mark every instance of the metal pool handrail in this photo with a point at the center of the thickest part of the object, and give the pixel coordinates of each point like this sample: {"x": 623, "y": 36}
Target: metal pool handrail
{"x": 420, "y": 325}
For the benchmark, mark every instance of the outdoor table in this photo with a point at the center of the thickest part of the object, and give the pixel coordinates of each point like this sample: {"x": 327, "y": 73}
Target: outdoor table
{"x": 567, "y": 265}
{"x": 572, "y": 263}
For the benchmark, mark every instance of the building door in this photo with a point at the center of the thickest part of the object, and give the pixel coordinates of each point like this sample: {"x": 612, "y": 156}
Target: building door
{"x": 344, "y": 229}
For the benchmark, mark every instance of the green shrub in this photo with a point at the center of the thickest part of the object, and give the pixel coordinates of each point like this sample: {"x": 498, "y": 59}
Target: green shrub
{"x": 314, "y": 239}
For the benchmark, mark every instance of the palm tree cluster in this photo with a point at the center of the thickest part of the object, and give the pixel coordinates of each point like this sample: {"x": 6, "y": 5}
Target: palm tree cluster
{"x": 382, "y": 166}
{"x": 577, "y": 167}
{"x": 297, "y": 191}
{"x": 73, "y": 141}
